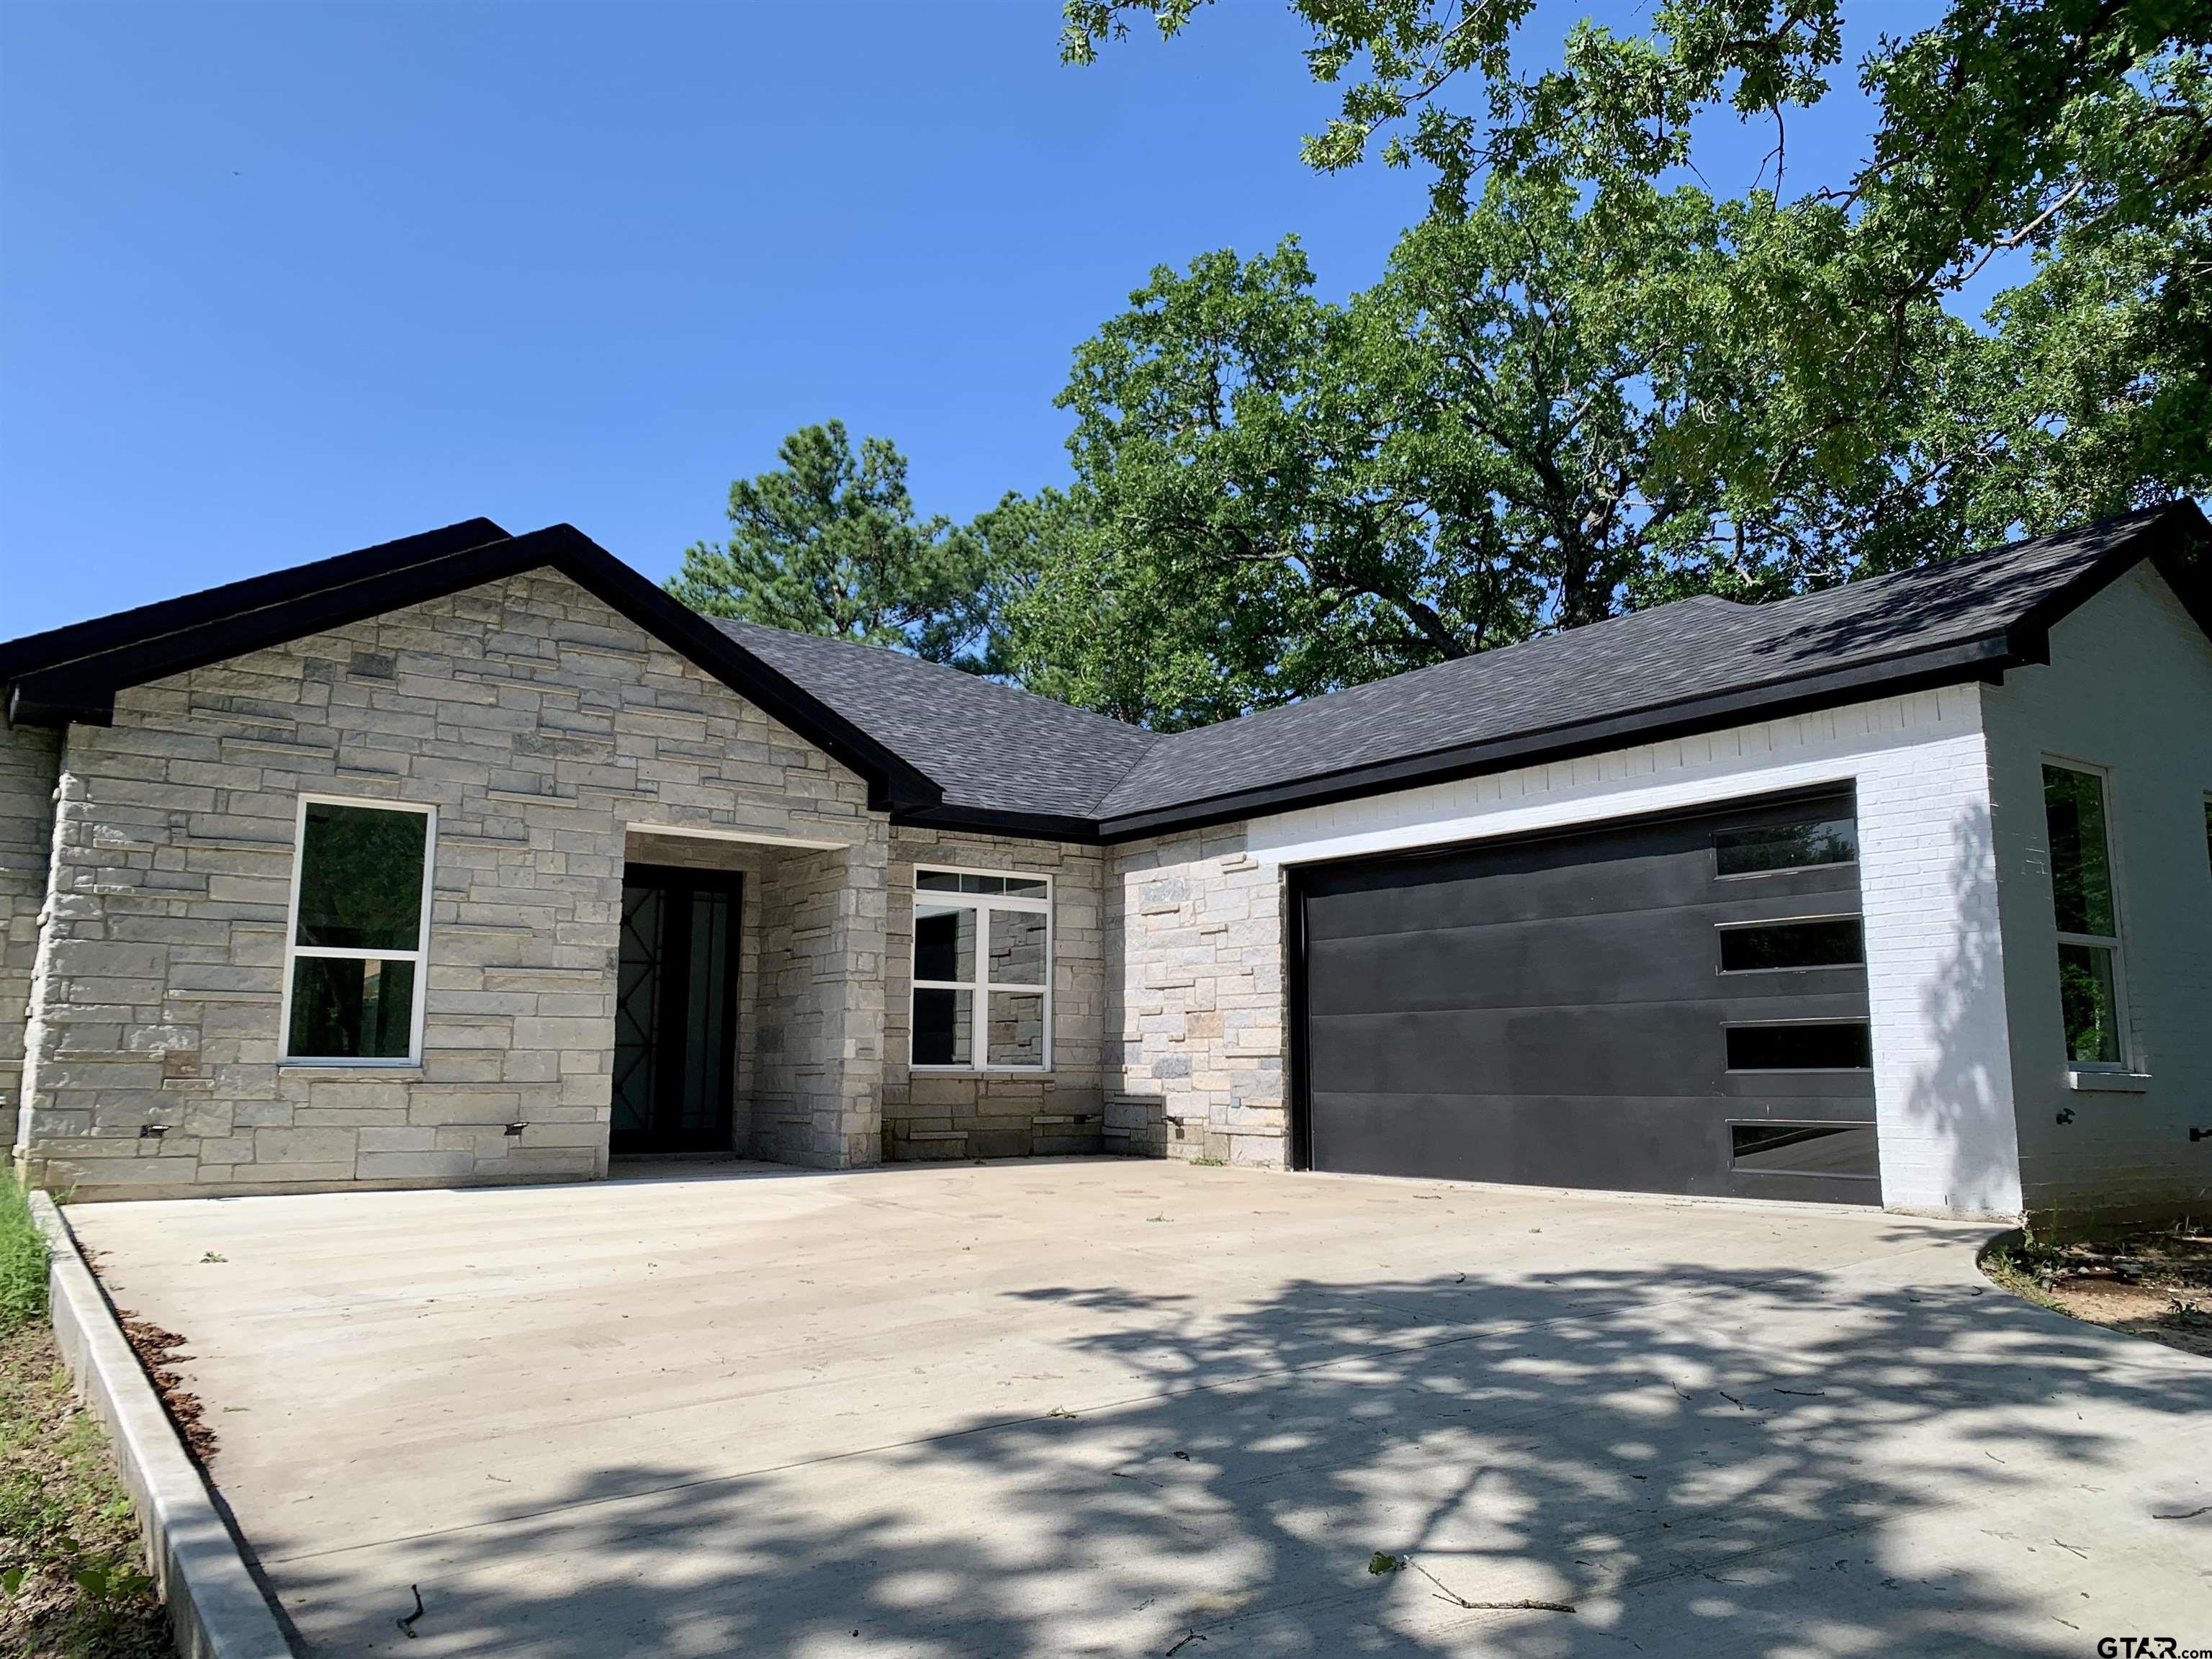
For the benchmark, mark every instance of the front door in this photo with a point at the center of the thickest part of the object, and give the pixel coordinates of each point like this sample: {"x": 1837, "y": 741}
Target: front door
{"x": 676, "y": 1010}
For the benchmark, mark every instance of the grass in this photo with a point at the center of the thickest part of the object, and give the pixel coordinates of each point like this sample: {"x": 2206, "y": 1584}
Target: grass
{"x": 22, "y": 1260}
{"x": 72, "y": 1578}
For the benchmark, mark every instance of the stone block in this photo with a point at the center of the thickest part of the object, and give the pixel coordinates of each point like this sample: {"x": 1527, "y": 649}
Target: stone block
{"x": 303, "y": 1146}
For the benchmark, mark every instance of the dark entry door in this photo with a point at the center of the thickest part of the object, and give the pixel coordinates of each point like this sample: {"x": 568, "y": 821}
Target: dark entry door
{"x": 676, "y": 1010}
{"x": 1672, "y": 1004}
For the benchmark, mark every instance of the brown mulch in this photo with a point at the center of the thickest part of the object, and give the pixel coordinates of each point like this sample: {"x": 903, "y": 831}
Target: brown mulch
{"x": 73, "y": 1584}
{"x": 159, "y": 1352}
{"x": 2152, "y": 1284}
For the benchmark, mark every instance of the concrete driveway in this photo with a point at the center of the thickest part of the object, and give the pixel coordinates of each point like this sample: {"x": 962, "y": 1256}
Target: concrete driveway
{"x": 1111, "y": 1407}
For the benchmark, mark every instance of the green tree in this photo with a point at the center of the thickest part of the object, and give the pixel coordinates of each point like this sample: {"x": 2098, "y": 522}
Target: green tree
{"x": 830, "y": 542}
{"x": 2076, "y": 131}
{"x": 1540, "y": 415}
{"x": 1072, "y": 617}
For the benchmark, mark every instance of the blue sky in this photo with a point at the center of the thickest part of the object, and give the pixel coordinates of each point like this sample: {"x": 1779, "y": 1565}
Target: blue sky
{"x": 278, "y": 281}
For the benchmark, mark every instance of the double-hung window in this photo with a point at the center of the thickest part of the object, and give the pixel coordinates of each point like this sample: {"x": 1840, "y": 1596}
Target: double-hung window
{"x": 982, "y": 971}
{"x": 2090, "y": 985}
{"x": 356, "y": 953}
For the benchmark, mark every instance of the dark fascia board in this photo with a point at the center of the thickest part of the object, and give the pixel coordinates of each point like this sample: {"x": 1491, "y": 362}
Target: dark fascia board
{"x": 1976, "y": 660}
{"x": 997, "y": 821}
{"x": 82, "y": 688}
{"x": 72, "y": 674}
{"x": 2176, "y": 540}
{"x": 146, "y": 622}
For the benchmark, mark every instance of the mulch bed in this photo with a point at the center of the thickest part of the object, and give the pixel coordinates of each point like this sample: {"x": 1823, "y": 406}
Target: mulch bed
{"x": 159, "y": 1352}
{"x": 2152, "y": 1284}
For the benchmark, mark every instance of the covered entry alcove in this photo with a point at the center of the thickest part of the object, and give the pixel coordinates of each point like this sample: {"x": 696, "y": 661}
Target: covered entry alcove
{"x": 743, "y": 961}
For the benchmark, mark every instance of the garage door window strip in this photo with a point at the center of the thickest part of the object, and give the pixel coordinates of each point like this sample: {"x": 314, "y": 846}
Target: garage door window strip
{"x": 2091, "y": 988}
{"x": 1790, "y": 944}
{"x": 355, "y": 941}
{"x": 1800, "y": 1045}
{"x": 982, "y": 972}
{"x": 1775, "y": 849}
{"x": 1834, "y": 1151}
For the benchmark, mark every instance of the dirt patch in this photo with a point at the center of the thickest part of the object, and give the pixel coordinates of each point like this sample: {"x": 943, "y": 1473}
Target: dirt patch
{"x": 2153, "y": 1285}
{"x": 72, "y": 1573}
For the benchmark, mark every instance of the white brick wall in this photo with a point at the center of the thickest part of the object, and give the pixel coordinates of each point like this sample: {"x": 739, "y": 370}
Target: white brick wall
{"x": 1943, "y": 1077}
{"x": 2129, "y": 688}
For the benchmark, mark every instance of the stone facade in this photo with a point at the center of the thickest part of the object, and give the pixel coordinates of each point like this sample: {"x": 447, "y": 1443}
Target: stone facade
{"x": 544, "y": 727}
{"x": 29, "y": 760}
{"x": 817, "y": 1088}
{"x": 941, "y": 1115}
{"x": 1198, "y": 1007}
{"x": 146, "y": 867}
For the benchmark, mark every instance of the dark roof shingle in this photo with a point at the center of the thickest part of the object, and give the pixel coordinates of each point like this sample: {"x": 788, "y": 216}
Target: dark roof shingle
{"x": 939, "y": 746}
{"x": 990, "y": 747}
{"x": 1642, "y": 664}
{"x": 1701, "y": 660}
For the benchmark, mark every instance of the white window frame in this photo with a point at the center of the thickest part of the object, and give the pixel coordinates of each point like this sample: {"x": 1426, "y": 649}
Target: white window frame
{"x": 982, "y": 986}
{"x": 2116, "y": 943}
{"x": 420, "y": 955}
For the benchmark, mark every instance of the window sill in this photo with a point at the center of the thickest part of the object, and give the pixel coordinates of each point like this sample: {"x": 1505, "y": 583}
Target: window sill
{"x": 981, "y": 1071}
{"x": 386, "y": 1067}
{"x": 2116, "y": 1082}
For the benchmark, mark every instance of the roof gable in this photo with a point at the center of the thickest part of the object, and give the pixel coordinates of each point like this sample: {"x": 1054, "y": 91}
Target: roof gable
{"x": 941, "y": 747}
{"x": 73, "y": 674}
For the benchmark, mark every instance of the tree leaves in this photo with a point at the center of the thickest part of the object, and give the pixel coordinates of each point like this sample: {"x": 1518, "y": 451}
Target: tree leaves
{"x": 1581, "y": 385}
{"x": 829, "y": 544}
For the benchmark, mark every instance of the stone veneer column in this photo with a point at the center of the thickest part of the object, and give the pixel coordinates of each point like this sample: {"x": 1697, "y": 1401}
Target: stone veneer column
{"x": 1200, "y": 1006}
{"x": 848, "y": 1111}
{"x": 29, "y": 760}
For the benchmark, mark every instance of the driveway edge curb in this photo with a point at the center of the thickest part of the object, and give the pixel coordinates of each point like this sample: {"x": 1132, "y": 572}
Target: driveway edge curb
{"x": 217, "y": 1608}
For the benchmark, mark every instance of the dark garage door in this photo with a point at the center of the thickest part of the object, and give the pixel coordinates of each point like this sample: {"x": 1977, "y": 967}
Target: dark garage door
{"x": 1670, "y": 1004}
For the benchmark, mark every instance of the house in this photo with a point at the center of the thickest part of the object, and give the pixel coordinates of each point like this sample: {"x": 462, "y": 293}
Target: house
{"x": 473, "y": 857}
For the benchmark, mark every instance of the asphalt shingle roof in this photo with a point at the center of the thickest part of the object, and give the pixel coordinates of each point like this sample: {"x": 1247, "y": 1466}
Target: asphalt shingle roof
{"x": 989, "y": 746}
{"x": 941, "y": 746}
{"x": 1673, "y": 653}
{"x": 993, "y": 748}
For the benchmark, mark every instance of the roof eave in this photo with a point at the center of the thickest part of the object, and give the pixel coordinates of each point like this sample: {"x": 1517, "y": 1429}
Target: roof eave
{"x": 1072, "y": 828}
{"x": 1986, "y": 658}
{"x": 2173, "y": 540}
{"x": 135, "y": 627}
{"x": 80, "y": 689}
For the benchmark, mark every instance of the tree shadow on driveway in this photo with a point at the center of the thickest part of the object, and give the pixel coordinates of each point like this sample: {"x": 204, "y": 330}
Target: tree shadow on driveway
{"x": 1697, "y": 1460}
